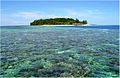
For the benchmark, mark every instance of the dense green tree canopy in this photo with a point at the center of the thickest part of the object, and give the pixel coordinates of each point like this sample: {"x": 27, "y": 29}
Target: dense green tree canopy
{"x": 58, "y": 21}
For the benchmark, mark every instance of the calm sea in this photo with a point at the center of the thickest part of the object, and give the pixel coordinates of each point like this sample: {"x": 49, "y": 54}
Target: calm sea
{"x": 79, "y": 51}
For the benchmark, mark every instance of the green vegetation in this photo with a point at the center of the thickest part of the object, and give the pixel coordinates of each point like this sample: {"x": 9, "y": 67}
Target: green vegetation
{"x": 58, "y": 21}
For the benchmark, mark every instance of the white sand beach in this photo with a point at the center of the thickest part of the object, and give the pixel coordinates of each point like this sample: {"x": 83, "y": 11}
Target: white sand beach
{"x": 66, "y": 25}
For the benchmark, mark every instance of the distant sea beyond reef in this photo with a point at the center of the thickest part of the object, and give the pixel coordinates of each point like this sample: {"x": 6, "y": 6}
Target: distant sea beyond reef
{"x": 67, "y": 26}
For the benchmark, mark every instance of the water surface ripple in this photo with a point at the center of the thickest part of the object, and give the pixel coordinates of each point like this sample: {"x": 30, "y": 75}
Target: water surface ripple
{"x": 59, "y": 52}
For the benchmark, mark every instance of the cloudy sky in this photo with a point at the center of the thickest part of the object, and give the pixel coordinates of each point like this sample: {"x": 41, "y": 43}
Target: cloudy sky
{"x": 24, "y": 12}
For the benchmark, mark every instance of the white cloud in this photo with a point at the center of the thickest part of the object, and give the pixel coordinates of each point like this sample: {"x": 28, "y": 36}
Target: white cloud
{"x": 95, "y": 11}
{"x": 7, "y": 20}
{"x": 74, "y": 13}
{"x": 84, "y": 13}
{"x": 28, "y": 16}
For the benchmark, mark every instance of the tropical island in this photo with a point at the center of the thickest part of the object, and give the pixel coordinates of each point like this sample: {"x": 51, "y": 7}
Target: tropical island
{"x": 59, "y": 21}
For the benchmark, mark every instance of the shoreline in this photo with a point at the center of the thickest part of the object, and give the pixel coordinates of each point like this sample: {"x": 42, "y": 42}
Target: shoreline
{"x": 61, "y": 25}
{"x": 57, "y": 25}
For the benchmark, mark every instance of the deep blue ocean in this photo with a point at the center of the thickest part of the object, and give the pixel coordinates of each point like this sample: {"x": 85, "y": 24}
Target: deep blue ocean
{"x": 61, "y": 51}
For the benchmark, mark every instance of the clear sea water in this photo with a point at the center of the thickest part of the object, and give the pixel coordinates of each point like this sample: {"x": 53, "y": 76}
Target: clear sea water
{"x": 34, "y": 51}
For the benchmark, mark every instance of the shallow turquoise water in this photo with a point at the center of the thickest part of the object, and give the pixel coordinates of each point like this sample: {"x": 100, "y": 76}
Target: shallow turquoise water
{"x": 59, "y": 52}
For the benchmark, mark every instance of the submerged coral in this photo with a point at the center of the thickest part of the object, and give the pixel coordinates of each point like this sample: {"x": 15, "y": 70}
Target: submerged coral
{"x": 59, "y": 52}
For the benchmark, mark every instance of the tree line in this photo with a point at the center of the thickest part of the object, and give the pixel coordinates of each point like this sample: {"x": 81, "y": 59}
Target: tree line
{"x": 58, "y": 21}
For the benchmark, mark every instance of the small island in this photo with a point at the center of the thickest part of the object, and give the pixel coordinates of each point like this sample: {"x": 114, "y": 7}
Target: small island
{"x": 59, "y": 21}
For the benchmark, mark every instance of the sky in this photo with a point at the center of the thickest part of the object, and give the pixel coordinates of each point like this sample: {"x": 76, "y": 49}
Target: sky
{"x": 24, "y": 12}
